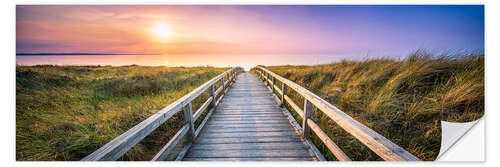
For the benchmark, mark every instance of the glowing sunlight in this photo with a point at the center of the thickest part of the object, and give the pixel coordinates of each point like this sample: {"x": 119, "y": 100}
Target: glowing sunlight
{"x": 166, "y": 60}
{"x": 162, "y": 30}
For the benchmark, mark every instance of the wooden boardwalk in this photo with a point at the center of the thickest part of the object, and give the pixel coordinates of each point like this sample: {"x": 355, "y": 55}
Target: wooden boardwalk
{"x": 248, "y": 124}
{"x": 244, "y": 122}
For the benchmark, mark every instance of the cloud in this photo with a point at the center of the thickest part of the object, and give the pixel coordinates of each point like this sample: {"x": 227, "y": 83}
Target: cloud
{"x": 30, "y": 46}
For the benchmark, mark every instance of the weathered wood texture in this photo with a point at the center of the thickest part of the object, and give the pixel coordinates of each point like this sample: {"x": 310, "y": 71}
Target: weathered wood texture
{"x": 383, "y": 147}
{"x": 248, "y": 125}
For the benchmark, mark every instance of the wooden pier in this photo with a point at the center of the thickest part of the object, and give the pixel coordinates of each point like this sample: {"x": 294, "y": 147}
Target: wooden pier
{"x": 249, "y": 125}
{"x": 246, "y": 120}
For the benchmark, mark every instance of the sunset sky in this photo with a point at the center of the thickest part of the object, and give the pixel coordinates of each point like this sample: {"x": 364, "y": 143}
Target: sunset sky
{"x": 327, "y": 31}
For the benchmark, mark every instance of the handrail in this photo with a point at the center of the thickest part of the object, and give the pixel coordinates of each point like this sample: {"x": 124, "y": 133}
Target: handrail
{"x": 121, "y": 144}
{"x": 382, "y": 146}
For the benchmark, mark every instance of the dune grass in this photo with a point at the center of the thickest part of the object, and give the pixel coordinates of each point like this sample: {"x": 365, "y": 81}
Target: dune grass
{"x": 67, "y": 112}
{"x": 403, "y": 100}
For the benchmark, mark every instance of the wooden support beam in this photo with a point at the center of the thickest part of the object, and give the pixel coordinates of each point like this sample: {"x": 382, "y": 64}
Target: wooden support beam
{"x": 307, "y": 115}
{"x": 188, "y": 117}
{"x": 283, "y": 94}
{"x": 204, "y": 106}
{"x": 213, "y": 94}
{"x": 222, "y": 85}
{"x": 273, "y": 83}
{"x": 339, "y": 154}
{"x": 163, "y": 153}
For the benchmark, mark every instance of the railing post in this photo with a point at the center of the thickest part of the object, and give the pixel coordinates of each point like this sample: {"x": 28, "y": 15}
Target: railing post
{"x": 307, "y": 114}
{"x": 262, "y": 75}
{"x": 223, "y": 86}
{"x": 273, "y": 82}
{"x": 267, "y": 79}
{"x": 188, "y": 116}
{"x": 212, "y": 92}
{"x": 283, "y": 94}
{"x": 229, "y": 79}
{"x": 234, "y": 78}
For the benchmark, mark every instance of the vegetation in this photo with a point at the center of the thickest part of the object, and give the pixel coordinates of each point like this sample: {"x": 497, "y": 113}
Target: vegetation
{"x": 67, "y": 112}
{"x": 403, "y": 100}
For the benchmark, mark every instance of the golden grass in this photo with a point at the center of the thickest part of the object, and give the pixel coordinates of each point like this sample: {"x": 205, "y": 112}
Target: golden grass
{"x": 403, "y": 100}
{"x": 67, "y": 112}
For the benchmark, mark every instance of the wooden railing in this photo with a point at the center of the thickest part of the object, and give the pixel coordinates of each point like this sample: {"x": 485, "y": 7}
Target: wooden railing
{"x": 383, "y": 147}
{"x": 121, "y": 144}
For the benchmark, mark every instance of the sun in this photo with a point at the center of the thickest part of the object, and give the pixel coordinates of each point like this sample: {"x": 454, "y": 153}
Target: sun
{"x": 162, "y": 30}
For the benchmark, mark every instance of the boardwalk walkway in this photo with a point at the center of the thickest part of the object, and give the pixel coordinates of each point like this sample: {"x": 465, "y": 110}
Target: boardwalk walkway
{"x": 249, "y": 125}
{"x": 244, "y": 122}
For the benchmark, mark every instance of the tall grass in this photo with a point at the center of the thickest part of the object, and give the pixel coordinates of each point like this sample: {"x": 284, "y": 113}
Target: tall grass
{"x": 403, "y": 100}
{"x": 67, "y": 112}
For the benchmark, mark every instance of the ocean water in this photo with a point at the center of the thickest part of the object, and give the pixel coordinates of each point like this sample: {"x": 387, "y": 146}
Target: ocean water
{"x": 114, "y": 60}
{"x": 245, "y": 61}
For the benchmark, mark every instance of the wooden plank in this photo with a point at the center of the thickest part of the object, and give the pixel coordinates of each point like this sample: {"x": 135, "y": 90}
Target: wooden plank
{"x": 277, "y": 89}
{"x": 220, "y": 113}
{"x": 247, "y": 140}
{"x": 339, "y": 154}
{"x": 250, "y": 129}
{"x": 121, "y": 144}
{"x": 376, "y": 142}
{"x": 253, "y": 89}
{"x": 294, "y": 106}
{"x": 248, "y": 105}
{"x": 247, "y": 153}
{"x": 250, "y": 94}
{"x": 286, "y": 124}
{"x": 247, "y": 114}
{"x": 201, "y": 109}
{"x": 163, "y": 153}
{"x": 249, "y": 118}
{"x": 248, "y": 99}
{"x": 236, "y": 98}
{"x": 246, "y": 122}
{"x": 183, "y": 152}
{"x": 249, "y": 122}
{"x": 251, "y": 159}
{"x": 218, "y": 90}
{"x": 249, "y": 108}
{"x": 249, "y": 134}
{"x": 219, "y": 100}
{"x": 251, "y": 146}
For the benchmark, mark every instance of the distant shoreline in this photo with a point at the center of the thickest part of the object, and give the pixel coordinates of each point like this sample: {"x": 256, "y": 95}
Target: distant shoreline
{"x": 76, "y": 54}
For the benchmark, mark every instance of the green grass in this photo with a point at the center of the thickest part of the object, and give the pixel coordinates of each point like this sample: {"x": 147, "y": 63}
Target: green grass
{"x": 67, "y": 112}
{"x": 403, "y": 100}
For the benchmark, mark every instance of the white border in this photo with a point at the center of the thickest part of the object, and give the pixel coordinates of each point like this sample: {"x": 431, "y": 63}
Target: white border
{"x": 7, "y": 67}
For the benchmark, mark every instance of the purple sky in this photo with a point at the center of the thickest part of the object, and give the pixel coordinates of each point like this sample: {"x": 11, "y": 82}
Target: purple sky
{"x": 336, "y": 30}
